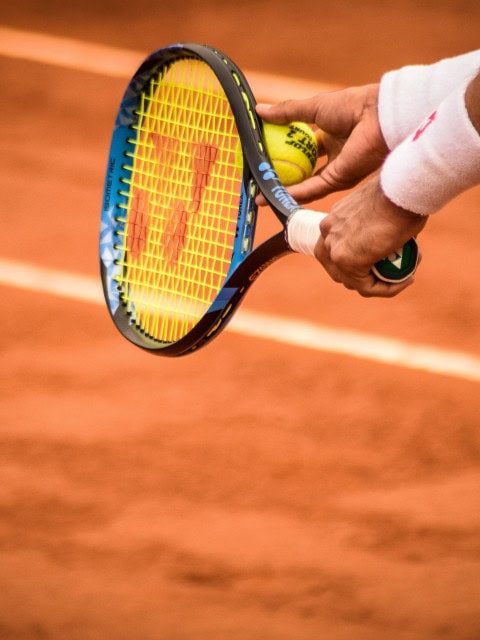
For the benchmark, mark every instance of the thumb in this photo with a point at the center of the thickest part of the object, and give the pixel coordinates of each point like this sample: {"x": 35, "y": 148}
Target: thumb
{"x": 271, "y": 113}
{"x": 288, "y": 111}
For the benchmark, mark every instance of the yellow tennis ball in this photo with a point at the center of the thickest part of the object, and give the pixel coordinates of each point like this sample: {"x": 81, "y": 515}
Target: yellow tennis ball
{"x": 293, "y": 150}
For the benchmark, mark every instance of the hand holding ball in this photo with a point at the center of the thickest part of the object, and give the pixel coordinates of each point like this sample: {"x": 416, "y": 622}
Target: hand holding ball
{"x": 292, "y": 149}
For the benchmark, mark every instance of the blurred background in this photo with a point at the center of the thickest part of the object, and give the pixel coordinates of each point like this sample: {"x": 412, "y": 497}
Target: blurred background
{"x": 339, "y": 42}
{"x": 257, "y": 490}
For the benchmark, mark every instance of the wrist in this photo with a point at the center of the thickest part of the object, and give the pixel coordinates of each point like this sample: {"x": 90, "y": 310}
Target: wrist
{"x": 405, "y": 224}
{"x": 372, "y": 106}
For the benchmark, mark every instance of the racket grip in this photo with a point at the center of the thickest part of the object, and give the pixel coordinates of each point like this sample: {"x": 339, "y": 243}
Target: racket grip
{"x": 303, "y": 232}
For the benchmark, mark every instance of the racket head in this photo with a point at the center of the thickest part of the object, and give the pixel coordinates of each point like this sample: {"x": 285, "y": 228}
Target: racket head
{"x": 179, "y": 212}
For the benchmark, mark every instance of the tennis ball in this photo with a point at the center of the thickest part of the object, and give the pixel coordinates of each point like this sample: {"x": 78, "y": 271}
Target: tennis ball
{"x": 293, "y": 150}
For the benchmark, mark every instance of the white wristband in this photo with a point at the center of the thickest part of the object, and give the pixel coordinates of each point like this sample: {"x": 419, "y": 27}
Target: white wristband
{"x": 438, "y": 162}
{"x": 409, "y": 94}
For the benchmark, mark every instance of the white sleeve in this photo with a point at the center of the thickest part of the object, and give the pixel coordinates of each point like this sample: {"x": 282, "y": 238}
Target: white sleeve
{"x": 408, "y": 95}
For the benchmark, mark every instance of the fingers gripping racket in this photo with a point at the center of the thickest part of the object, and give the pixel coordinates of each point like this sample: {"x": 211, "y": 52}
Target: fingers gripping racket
{"x": 187, "y": 160}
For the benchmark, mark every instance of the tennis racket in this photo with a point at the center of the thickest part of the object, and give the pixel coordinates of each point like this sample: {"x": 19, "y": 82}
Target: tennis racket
{"x": 187, "y": 160}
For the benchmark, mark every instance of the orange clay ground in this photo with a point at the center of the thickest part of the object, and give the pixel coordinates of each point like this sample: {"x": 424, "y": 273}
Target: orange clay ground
{"x": 253, "y": 491}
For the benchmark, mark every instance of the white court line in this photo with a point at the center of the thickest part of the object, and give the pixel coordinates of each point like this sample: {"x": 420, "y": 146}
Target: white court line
{"x": 122, "y": 63}
{"x": 295, "y": 332}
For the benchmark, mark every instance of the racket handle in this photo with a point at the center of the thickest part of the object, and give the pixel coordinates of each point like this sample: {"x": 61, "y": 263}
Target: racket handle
{"x": 303, "y": 232}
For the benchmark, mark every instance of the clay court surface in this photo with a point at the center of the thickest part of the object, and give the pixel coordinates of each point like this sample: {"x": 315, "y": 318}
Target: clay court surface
{"x": 257, "y": 490}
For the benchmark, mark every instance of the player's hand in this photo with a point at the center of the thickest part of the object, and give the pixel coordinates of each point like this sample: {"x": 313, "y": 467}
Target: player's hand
{"x": 361, "y": 229}
{"x": 350, "y": 137}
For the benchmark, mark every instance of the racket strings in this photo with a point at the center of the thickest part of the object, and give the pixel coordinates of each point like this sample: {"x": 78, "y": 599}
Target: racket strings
{"x": 183, "y": 201}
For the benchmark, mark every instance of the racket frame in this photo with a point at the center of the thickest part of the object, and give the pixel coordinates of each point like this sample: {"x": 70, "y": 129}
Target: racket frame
{"x": 258, "y": 174}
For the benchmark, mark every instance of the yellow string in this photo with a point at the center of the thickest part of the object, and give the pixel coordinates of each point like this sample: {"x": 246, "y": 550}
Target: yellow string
{"x": 183, "y": 200}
